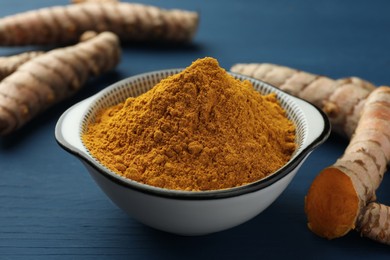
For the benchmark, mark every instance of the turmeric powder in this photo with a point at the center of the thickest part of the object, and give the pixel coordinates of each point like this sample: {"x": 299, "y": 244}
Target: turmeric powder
{"x": 200, "y": 129}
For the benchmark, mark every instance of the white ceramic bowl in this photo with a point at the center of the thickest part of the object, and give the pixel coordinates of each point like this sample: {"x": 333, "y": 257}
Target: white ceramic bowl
{"x": 188, "y": 212}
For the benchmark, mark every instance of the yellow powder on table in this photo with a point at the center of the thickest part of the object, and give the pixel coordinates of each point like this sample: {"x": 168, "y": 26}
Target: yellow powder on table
{"x": 198, "y": 130}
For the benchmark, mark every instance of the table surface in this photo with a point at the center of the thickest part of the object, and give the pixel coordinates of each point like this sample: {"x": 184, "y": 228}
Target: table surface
{"x": 51, "y": 208}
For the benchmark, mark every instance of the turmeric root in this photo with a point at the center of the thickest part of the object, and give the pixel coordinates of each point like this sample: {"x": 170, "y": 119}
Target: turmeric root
{"x": 336, "y": 199}
{"x": 65, "y": 24}
{"x": 374, "y": 222}
{"x": 53, "y": 76}
{"x": 96, "y": 1}
{"x": 9, "y": 64}
{"x": 340, "y": 198}
{"x": 326, "y": 93}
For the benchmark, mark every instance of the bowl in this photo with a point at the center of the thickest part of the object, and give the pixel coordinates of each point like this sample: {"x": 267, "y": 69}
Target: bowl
{"x": 189, "y": 212}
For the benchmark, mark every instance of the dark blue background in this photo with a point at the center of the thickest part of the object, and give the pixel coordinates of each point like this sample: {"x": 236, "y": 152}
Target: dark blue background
{"x": 50, "y": 207}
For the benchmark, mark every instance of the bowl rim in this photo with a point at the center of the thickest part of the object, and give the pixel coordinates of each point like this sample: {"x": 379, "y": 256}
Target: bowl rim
{"x": 191, "y": 195}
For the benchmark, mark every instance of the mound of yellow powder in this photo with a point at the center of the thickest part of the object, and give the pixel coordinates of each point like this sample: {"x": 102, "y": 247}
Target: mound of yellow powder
{"x": 197, "y": 130}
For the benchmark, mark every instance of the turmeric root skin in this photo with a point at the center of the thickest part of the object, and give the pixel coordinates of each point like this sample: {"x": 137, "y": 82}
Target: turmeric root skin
{"x": 53, "y": 76}
{"x": 130, "y": 22}
{"x": 331, "y": 206}
{"x": 341, "y": 196}
{"x": 9, "y": 64}
{"x": 374, "y": 222}
{"x": 326, "y": 93}
{"x": 337, "y": 198}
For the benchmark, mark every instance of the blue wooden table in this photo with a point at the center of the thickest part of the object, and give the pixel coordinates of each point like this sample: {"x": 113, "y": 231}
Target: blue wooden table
{"x": 51, "y": 208}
